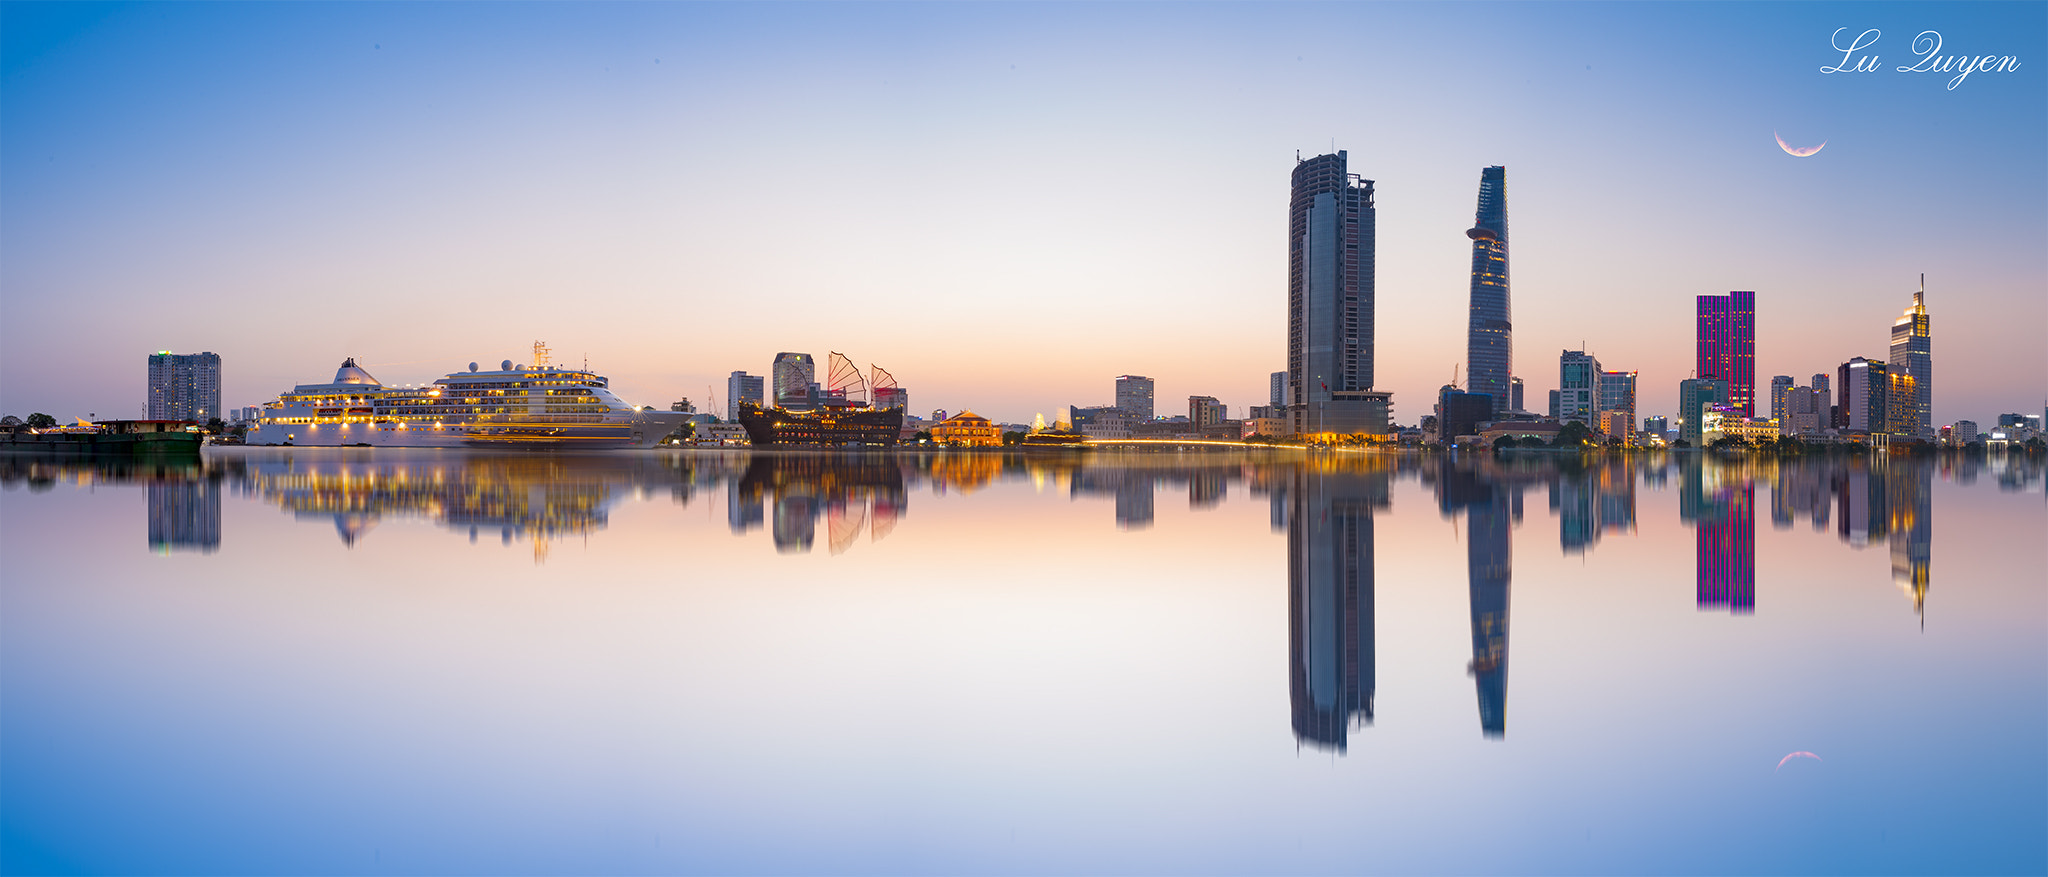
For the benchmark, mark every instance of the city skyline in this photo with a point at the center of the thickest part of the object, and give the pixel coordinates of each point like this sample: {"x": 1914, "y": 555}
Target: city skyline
{"x": 420, "y": 187}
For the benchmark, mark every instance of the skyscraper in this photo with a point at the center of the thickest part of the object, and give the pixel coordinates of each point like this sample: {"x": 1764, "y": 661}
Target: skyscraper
{"x": 1727, "y": 346}
{"x": 793, "y": 374}
{"x": 1618, "y": 393}
{"x": 1866, "y": 389}
{"x": 1780, "y": 385}
{"x": 1829, "y": 411}
{"x": 742, "y": 387}
{"x": 1913, "y": 356}
{"x": 1134, "y": 395}
{"x": 1278, "y": 391}
{"x": 1515, "y": 394}
{"x": 184, "y": 386}
{"x": 1330, "y": 234}
{"x": 1578, "y": 387}
{"x": 1489, "y": 338}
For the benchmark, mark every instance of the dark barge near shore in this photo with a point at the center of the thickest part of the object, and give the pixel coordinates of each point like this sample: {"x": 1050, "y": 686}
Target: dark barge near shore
{"x": 107, "y": 438}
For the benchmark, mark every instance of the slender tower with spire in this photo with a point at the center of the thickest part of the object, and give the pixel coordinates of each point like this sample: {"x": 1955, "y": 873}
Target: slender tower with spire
{"x": 1913, "y": 356}
{"x": 1489, "y": 339}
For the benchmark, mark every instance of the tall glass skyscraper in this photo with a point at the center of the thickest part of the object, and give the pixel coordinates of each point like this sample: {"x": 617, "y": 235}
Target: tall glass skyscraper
{"x": 1727, "y": 346}
{"x": 1913, "y": 356}
{"x": 1489, "y": 340}
{"x": 1329, "y": 296}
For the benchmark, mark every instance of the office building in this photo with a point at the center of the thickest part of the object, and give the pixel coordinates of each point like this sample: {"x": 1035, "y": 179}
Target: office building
{"x": 1554, "y": 405}
{"x": 1204, "y": 412}
{"x": 1657, "y": 426}
{"x": 1780, "y": 385}
{"x": 794, "y": 375}
{"x": 1460, "y": 413}
{"x": 1489, "y": 337}
{"x": 742, "y": 387}
{"x": 1695, "y": 396}
{"x": 184, "y": 386}
{"x": 1618, "y": 393}
{"x": 1806, "y": 412}
{"x": 1277, "y": 396}
{"x": 1912, "y": 356}
{"x": 1578, "y": 387}
{"x": 1829, "y": 411}
{"x": 1866, "y": 390}
{"x": 1726, "y": 346}
{"x": 1900, "y": 418}
{"x": 1330, "y": 300}
{"x": 1515, "y": 395}
{"x": 1134, "y": 395}
{"x": 892, "y": 397}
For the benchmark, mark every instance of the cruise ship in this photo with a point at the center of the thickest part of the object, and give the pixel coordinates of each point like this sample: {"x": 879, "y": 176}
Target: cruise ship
{"x": 536, "y": 406}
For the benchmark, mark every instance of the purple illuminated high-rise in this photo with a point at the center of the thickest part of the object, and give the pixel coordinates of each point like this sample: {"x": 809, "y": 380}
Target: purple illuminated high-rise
{"x": 1727, "y": 346}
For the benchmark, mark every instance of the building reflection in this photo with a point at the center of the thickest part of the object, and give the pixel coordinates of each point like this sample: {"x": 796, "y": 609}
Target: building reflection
{"x": 184, "y": 514}
{"x": 1718, "y": 502}
{"x": 1871, "y": 501}
{"x": 1330, "y": 620}
{"x": 853, "y": 493}
{"x": 1592, "y": 500}
{"x": 1911, "y": 489}
{"x": 1488, "y": 499}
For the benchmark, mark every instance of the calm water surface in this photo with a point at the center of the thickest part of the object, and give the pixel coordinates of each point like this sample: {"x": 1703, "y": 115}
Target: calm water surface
{"x": 355, "y": 661}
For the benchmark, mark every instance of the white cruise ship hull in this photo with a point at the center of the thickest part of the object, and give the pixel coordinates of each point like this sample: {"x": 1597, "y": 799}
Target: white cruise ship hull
{"x": 645, "y": 431}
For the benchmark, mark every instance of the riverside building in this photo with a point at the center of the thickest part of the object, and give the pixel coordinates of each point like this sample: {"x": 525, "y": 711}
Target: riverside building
{"x": 1912, "y": 357}
{"x": 794, "y": 375}
{"x": 184, "y": 386}
{"x": 1726, "y": 346}
{"x": 1134, "y": 395}
{"x": 1330, "y": 301}
{"x": 1578, "y": 387}
{"x": 1489, "y": 337}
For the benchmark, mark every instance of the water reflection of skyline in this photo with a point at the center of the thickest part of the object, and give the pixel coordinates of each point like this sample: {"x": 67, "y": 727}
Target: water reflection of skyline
{"x": 1325, "y": 506}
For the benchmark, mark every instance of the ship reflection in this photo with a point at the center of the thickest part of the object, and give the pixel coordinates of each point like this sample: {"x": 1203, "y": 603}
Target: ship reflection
{"x": 854, "y": 493}
{"x": 533, "y": 498}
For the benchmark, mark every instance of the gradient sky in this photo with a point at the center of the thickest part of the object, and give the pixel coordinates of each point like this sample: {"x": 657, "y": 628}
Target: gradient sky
{"x": 1004, "y": 205}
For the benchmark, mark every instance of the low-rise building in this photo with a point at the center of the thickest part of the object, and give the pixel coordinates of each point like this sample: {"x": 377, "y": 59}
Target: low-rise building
{"x": 967, "y": 429}
{"x": 1267, "y": 426}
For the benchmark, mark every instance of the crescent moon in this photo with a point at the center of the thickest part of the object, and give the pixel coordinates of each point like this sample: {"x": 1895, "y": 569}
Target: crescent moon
{"x": 1781, "y": 761}
{"x": 1800, "y": 151}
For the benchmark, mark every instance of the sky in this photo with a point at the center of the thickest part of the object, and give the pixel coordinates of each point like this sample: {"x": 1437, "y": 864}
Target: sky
{"x": 1004, "y": 205}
